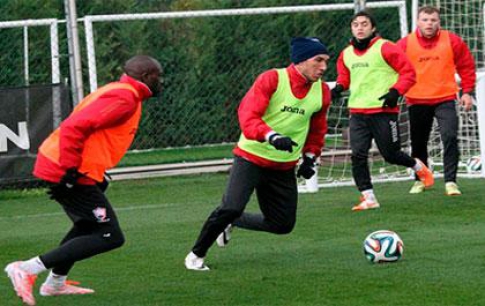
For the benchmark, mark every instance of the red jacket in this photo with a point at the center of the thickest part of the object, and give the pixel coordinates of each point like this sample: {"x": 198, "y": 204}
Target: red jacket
{"x": 395, "y": 58}
{"x": 464, "y": 62}
{"x": 253, "y": 107}
{"x": 110, "y": 110}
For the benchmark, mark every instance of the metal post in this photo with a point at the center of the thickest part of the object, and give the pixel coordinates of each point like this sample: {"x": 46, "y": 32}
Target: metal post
{"x": 74, "y": 51}
{"x": 56, "y": 75}
{"x": 26, "y": 56}
{"x": 359, "y": 5}
{"x": 88, "y": 29}
{"x": 403, "y": 20}
{"x": 480, "y": 94}
{"x": 414, "y": 14}
{"x": 26, "y": 77}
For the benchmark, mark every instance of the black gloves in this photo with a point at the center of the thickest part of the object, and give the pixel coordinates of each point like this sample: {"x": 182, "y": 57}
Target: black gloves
{"x": 337, "y": 91}
{"x": 390, "y": 98}
{"x": 70, "y": 178}
{"x": 105, "y": 183}
{"x": 306, "y": 168}
{"x": 282, "y": 143}
{"x": 65, "y": 185}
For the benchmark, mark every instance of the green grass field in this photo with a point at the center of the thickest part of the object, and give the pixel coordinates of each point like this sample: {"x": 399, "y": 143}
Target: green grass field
{"x": 320, "y": 263}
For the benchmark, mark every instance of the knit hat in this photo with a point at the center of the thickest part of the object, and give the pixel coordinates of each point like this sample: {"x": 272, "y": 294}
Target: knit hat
{"x": 303, "y": 48}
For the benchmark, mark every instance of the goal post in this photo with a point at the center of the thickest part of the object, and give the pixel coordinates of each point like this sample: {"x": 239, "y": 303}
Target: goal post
{"x": 335, "y": 168}
{"x": 89, "y": 21}
{"x": 33, "y": 71}
{"x": 480, "y": 92}
{"x": 193, "y": 36}
{"x": 24, "y": 25}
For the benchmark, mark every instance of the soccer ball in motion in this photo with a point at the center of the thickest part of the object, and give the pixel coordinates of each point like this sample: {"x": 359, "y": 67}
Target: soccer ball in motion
{"x": 383, "y": 246}
{"x": 474, "y": 164}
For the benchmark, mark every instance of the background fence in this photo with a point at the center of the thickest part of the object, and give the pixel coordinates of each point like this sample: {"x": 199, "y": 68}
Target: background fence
{"x": 29, "y": 114}
{"x": 223, "y": 52}
{"x": 464, "y": 17}
{"x": 210, "y": 60}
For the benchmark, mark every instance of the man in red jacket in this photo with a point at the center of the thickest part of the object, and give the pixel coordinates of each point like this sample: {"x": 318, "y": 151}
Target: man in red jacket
{"x": 377, "y": 73}
{"x": 73, "y": 160}
{"x": 437, "y": 55}
{"x": 282, "y": 116}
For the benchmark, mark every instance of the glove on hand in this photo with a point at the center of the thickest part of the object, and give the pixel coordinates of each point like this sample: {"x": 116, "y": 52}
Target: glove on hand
{"x": 105, "y": 183}
{"x": 70, "y": 178}
{"x": 282, "y": 143}
{"x": 306, "y": 168}
{"x": 337, "y": 91}
{"x": 66, "y": 183}
{"x": 390, "y": 98}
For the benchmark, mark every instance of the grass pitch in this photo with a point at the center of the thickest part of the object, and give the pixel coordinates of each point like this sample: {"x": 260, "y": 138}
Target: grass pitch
{"x": 320, "y": 263}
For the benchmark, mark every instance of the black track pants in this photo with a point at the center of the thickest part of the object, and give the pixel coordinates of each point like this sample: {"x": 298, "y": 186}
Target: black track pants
{"x": 277, "y": 196}
{"x": 421, "y": 121}
{"x": 95, "y": 229}
{"x": 384, "y": 129}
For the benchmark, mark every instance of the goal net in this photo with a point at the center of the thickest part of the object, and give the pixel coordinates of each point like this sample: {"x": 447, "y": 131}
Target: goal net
{"x": 212, "y": 56}
{"x": 462, "y": 17}
{"x": 465, "y": 18}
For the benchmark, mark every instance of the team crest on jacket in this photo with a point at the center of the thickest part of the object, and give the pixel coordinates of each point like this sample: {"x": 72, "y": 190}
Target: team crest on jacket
{"x": 100, "y": 214}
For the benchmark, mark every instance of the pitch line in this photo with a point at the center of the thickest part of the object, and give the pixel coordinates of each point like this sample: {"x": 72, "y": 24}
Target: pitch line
{"x": 61, "y": 213}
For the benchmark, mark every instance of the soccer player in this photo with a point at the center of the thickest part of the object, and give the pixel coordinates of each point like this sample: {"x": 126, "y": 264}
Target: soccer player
{"x": 73, "y": 160}
{"x": 282, "y": 116}
{"x": 437, "y": 55}
{"x": 377, "y": 73}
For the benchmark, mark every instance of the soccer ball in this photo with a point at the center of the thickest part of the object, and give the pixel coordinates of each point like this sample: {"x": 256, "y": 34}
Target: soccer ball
{"x": 383, "y": 246}
{"x": 474, "y": 164}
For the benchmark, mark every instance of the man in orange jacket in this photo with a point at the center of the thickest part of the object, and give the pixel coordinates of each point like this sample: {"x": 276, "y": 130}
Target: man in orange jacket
{"x": 437, "y": 55}
{"x": 73, "y": 160}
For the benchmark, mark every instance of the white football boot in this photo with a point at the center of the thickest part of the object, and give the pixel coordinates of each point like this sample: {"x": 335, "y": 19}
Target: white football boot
{"x": 194, "y": 262}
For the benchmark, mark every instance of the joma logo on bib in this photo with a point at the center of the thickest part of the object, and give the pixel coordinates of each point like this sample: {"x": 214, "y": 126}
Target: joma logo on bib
{"x": 360, "y": 65}
{"x": 295, "y": 110}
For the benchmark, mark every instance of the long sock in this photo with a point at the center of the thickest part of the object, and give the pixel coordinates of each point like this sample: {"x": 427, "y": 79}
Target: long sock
{"x": 418, "y": 166}
{"x": 369, "y": 195}
{"x": 55, "y": 280}
{"x": 33, "y": 266}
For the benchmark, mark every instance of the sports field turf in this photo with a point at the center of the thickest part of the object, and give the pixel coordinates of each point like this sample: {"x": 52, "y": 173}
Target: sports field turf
{"x": 320, "y": 263}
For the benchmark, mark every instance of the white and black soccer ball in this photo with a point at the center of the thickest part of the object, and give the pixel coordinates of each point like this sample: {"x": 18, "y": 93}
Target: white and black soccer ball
{"x": 383, "y": 246}
{"x": 474, "y": 164}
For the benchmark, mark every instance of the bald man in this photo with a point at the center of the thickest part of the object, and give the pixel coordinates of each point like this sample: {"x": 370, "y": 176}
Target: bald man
{"x": 73, "y": 161}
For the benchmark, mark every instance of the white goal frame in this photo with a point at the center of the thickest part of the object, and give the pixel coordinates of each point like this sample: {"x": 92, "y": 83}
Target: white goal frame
{"x": 54, "y": 56}
{"x": 54, "y": 43}
{"x": 89, "y": 21}
{"x": 480, "y": 92}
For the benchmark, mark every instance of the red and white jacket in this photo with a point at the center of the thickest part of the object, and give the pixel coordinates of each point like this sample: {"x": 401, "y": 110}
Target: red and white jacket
{"x": 106, "y": 113}
{"x": 395, "y": 58}
{"x": 253, "y": 107}
{"x": 463, "y": 59}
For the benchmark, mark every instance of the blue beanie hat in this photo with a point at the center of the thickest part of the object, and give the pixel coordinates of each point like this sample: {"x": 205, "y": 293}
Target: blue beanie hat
{"x": 303, "y": 48}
